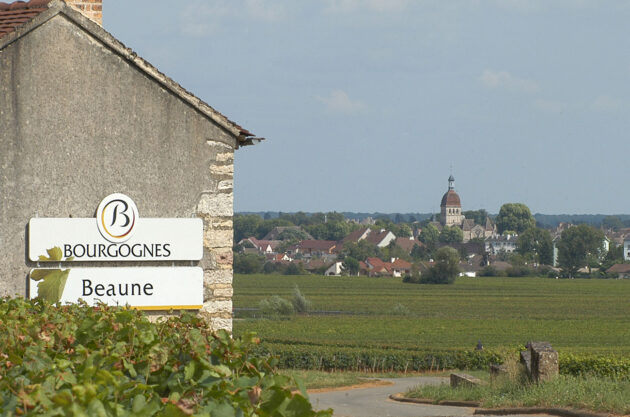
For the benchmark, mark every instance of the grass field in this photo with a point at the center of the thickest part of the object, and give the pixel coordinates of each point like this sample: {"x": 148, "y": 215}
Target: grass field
{"x": 584, "y": 316}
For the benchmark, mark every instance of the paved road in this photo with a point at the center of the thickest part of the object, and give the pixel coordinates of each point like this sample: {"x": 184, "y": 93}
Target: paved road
{"x": 375, "y": 402}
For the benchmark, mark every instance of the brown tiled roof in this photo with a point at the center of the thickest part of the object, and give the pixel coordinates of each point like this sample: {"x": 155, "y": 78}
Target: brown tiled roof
{"x": 376, "y": 237}
{"x": 401, "y": 264}
{"x": 375, "y": 262}
{"x": 354, "y": 236}
{"x": 406, "y": 243}
{"x": 14, "y": 15}
{"x": 619, "y": 269}
{"x": 450, "y": 198}
{"x": 323, "y": 245}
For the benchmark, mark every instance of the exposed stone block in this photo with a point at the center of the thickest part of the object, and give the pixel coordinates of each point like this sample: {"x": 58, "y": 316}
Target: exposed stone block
{"x": 544, "y": 361}
{"x": 218, "y": 307}
{"x": 217, "y": 277}
{"x": 464, "y": 380}
{"x": 541, "y": 361}
{"x": 216, "y": 205}
{"x": 526, "y": 359}
{"x": 225, "y": 157}
{"x": 217, "y": 323}
{"x": 217, "y": 238}
{"x": 223, "y": 292}
{"x": 222, "y": 170}
{"x": 226, "y": 185}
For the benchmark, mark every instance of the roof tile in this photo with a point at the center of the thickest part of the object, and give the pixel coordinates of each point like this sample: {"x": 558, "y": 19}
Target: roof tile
{"x": 14, "y": 15}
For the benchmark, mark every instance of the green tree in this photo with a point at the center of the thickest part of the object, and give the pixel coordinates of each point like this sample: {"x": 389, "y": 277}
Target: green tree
{"x": 429, "y": 235}
{"x": 350, "y": 265}
{"x": 361, "y": 251}
{"x": 612, "y": 222}
{"x": 479, "y": 216}
{"x": 394, "y": 251}
{"x": 445, "y": 269}
{"x": 515, "y": 217}
{"x": 420, "y": 252}
{"x": 537, "y": 244}
{"x": 576, "y": 244}
{"x": 451, "y": 234}
{"x": 248, "y": 263}
{"x": 246, "y": 225}
{"x": 613, "y": 256}
{"x": 295, "y": 269}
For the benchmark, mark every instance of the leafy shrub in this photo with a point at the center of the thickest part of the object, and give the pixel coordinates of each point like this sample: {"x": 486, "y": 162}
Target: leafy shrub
{"x": 519, "y": 271}
{"x": 276, "y": 306}
{"x": 299, "y": 301}
{"x": 77, "y": 360}
{"x": 601, "y": 366}
{"x": 489, "y": 271}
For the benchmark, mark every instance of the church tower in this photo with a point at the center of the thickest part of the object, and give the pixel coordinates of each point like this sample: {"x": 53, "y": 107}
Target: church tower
{"x": 451, "y": 206}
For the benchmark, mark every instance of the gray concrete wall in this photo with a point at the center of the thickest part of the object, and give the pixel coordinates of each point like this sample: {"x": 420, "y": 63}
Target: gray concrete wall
{"x": 78, "y": 122}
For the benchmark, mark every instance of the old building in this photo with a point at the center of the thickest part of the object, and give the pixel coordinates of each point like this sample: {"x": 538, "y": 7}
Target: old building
{"x": 452, "y": 215}
{"x": 451, "y": 206}
{"x": 83, "y": 116}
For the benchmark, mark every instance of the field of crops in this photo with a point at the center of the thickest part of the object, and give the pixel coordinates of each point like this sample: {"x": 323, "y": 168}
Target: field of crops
{"x": 580, "y": 316}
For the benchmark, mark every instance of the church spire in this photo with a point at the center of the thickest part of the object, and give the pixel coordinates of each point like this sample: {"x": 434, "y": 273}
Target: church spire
{"x": 451, "y": 182}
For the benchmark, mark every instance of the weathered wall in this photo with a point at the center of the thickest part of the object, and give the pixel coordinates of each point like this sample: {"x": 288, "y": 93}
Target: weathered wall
{"x": 78, "y": 122}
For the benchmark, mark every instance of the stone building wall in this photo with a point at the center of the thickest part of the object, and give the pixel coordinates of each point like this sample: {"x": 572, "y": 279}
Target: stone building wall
{"x": 82, "y": 117}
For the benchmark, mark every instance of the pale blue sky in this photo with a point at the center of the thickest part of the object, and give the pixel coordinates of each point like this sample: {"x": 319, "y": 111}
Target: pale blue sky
{"x": 366, "y": 104}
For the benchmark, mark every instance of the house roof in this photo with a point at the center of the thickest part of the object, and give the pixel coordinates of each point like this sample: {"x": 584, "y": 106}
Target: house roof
{"x": 401, "y": 264}
{"x": 619, "y": 269}
{"x": 407, "y": 244}
{"x": 356, "y": 235}
{"x": 14, "y": 15}
{"x": 324, "y": 245}
{"x": 468, "y": 224}
{"x": 19, "y": 18}
{"x": 377, "y": 237}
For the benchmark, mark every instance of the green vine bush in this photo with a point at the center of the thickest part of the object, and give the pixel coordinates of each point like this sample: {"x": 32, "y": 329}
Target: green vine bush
{"x": 591, "y": 365}
{"x": 349, "y": 358}
{"x": 77, "y": 360}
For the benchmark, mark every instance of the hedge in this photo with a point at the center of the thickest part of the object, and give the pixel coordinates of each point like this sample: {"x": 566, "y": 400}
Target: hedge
{"x": 331, "y": 358}
{"x": 77, "y": 360}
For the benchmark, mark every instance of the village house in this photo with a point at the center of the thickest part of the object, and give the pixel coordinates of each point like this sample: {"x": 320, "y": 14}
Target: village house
{"x": 82, "y": 116}
{"x": 395, "y": 268}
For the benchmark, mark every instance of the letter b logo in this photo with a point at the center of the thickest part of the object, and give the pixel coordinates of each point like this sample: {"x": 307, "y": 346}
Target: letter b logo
{"x": 116, "y": 217}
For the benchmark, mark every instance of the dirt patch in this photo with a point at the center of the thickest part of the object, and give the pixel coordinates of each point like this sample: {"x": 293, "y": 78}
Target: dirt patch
{"x": 367, "y": 384}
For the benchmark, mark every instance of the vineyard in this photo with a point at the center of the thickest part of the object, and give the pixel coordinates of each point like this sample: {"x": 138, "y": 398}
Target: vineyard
{"x": 352, "y": 316}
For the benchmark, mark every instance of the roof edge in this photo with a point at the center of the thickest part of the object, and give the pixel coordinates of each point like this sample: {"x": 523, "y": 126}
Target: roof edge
{"x": 242, "y": 136}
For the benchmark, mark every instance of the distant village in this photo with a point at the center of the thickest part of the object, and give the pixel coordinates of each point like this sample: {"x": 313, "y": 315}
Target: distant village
{"x": 508, "y": 245}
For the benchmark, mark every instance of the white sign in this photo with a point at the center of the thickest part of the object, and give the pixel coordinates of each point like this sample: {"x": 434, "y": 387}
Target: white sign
{"x": 146, "y": 288}
{"x": 152, "y": 240}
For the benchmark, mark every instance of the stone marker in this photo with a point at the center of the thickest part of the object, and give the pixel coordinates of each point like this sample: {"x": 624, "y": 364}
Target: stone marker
{"x": 544, "y": 361}
{"x": 464, "y": 380}
{"x": 526, "y": 359}
{"x": 541, "y": 361}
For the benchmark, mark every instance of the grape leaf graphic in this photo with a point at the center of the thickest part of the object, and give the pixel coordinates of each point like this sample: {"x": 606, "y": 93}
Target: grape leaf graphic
{"x": 51, "y": 281}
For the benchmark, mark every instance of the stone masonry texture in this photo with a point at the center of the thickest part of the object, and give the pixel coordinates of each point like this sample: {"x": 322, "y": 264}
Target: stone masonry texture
{"x": 79, "y": 122}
